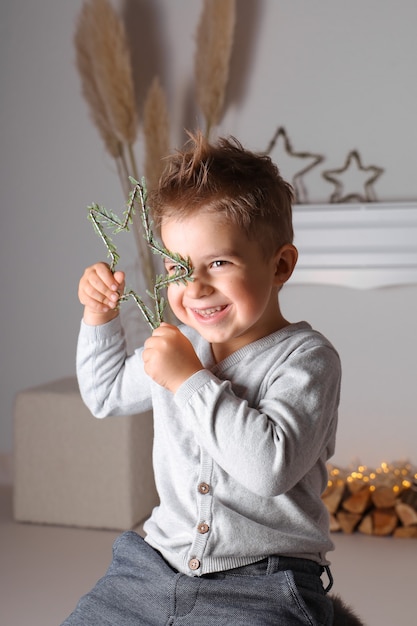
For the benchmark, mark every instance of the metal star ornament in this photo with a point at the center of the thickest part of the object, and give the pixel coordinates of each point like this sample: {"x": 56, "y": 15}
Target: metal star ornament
{"x": 305, "y": 162}
{"x": 353, "y": 182}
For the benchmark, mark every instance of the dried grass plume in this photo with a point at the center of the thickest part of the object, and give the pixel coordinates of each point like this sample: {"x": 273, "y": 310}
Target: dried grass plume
{"x": 104, "y": 64}
{"x": 104, "y": 61}
{"x": 156, "y": 132}
{"x": 212, "y": 61}
{"x": 90, "y": 89}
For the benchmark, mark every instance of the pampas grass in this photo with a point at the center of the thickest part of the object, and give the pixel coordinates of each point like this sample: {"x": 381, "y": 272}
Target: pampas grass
{"x": 104, "y": 65}
{"x": 156, "y": 132}
{"x": 90, "y": 88}
{"x": 100, "y": 39}
{"x": 112, "y": 65}
{"x": 212, "y": 60}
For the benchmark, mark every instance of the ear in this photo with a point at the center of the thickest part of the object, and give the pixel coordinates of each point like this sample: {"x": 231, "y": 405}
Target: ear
{"x": 285, "y": 262}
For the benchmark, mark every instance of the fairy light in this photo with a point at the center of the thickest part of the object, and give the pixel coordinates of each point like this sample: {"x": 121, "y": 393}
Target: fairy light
{"x": 397, "y": 476}
{"x": 360, "y": 491}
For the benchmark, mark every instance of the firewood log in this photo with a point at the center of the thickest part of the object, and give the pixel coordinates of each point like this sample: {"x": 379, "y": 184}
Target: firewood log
{"x": 333, "y": 496}
{"x": 384, "y": 497}
{"x": 409, "y": 496}
{"x": 406, "y": 532}
{"x": 348, "y": 521}
{"x": 354, "y": 485}
{"x": 384, "y": 521}
{"x": 379, "y": 522}
{"x": 334, "y": 524}
{"x": 367, "y": 525}
{"x": 358, "y": 502}
{"x": 406, "y": 513}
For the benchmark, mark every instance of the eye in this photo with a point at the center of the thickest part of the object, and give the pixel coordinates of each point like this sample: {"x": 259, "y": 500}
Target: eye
{"x": 172, "y": 270}
{"x": 219, "y": 263}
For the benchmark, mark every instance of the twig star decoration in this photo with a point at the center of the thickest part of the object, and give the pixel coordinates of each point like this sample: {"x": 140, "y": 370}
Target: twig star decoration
{"x": 103, "y": 219}
{"x": 300, "y": 190}
{"x": 364, "y": 176}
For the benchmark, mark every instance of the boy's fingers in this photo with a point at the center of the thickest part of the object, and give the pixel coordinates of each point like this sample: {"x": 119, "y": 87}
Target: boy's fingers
{"x": 119, "y": 277}
{"x": 106, "y": 282}
{"x": 113, "y": 283}
{"x": 103, "y": 272}
{"x": 99, "y": 289}
{"x": 101, "y": 294}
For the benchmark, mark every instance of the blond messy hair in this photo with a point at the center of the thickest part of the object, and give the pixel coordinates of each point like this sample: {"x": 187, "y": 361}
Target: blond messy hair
{"x": 244, "y": 187}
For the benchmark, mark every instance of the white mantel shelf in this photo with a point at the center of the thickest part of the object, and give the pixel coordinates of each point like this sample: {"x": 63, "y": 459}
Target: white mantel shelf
{"x": 356, "y": 245}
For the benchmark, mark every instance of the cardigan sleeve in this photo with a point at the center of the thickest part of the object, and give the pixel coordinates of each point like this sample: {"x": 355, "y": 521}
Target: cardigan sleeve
{"x": 269, "y": 447}
{"x": 110, "y": 381}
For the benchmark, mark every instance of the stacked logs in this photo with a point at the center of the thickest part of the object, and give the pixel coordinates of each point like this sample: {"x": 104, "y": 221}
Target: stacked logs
{"x": 373, "y": 502}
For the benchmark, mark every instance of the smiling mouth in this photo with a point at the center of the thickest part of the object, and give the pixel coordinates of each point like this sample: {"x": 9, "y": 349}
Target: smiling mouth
{"x": 209, "y": 312}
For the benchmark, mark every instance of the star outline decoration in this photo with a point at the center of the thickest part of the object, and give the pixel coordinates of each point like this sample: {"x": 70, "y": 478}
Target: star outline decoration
{"x": 103, "y": 219}
{"x": 300, "y": 190}
{"x": 338, "y": 194}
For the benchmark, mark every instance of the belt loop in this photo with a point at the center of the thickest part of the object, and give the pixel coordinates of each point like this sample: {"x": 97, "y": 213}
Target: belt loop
{"x": 273, "y": 564}
{"x": 330, "y": 577}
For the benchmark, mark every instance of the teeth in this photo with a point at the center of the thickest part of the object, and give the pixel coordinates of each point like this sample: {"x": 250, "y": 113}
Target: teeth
{"x": 208, "y": 312}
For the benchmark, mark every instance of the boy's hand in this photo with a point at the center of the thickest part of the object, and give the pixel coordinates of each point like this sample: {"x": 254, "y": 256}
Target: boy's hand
{"x": 99, "y": 291}
{"x": 169, "y": 357}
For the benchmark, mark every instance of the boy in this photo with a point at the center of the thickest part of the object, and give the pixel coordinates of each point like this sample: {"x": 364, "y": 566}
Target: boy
{"x": 245, "y": 410}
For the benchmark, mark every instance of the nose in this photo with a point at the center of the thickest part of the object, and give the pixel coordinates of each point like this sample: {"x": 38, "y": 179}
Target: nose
{"x": 197, "y": 287}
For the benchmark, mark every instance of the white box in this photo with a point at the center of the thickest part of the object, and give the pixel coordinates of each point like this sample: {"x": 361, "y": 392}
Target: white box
{"x": 73, "y": 469}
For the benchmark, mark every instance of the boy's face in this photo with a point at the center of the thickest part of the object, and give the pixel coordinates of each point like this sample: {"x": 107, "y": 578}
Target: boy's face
{"x": 233, "y": 297}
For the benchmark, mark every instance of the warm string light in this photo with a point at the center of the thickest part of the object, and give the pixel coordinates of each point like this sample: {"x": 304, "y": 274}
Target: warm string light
{"x": 375, "y": 501}
{"x": 398, "y": 476}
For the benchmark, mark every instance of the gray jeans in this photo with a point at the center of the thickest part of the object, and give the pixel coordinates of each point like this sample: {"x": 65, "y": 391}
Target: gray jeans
{"x": 141, "y": 588}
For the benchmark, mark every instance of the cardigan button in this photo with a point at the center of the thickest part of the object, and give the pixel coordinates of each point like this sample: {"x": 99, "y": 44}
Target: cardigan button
{"x": 203, "y": 528}
{"x": 203, "y": 488}
{"x": 194, "y": 564}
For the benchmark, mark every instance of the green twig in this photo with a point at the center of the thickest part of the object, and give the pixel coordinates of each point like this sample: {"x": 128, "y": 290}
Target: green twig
{"x": 103, "y": 219}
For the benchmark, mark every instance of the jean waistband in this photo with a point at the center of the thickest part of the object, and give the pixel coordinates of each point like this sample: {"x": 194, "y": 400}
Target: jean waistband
{"x": 272, "y": 564}
{"x": 275, "y": 563}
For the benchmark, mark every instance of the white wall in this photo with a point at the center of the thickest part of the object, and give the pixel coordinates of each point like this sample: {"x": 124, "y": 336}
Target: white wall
{"x": 337, "y": 75}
